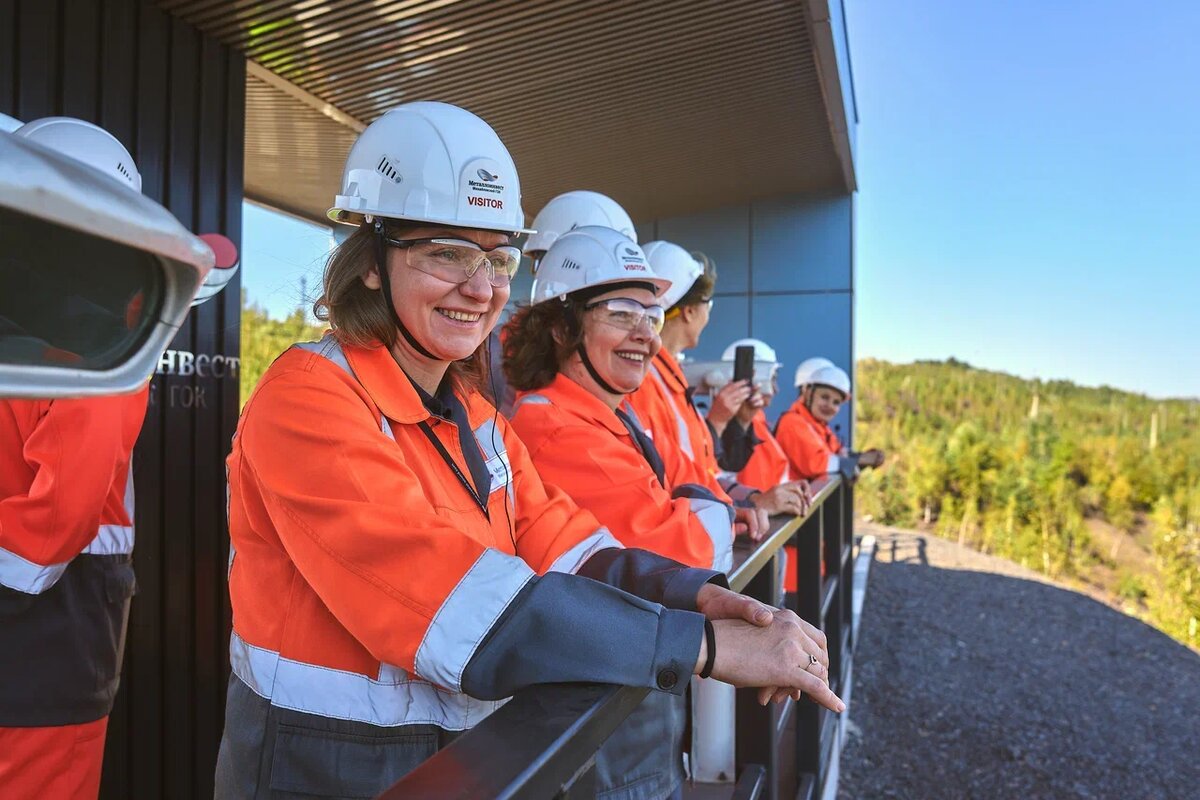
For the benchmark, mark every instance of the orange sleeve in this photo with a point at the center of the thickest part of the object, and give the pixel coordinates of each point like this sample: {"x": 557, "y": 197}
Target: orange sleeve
{"x": 612, "y": 481}
{"x": 74, "y": 451}
{"x": 808, "y": 456}
{"x": 313, "y": 470}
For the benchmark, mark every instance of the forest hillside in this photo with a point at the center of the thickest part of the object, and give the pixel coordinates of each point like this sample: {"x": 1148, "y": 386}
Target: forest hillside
{"x": 1095, "y": 486}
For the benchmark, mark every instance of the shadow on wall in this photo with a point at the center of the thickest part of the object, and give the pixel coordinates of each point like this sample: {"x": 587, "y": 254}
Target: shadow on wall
{"x": 975, "y": 684}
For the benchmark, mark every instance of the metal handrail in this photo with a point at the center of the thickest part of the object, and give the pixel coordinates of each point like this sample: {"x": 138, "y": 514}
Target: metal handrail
{"x": 540, "y": 744}
{"x": 750, "y": 558}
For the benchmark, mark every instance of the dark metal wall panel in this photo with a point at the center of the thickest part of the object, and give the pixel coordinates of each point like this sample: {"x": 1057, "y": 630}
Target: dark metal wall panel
{"x": 176, "y": 99}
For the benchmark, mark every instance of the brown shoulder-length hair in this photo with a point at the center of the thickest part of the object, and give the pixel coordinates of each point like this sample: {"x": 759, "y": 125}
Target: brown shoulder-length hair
{"x": 359, "y": 316}
{"x": 537, "y": 340}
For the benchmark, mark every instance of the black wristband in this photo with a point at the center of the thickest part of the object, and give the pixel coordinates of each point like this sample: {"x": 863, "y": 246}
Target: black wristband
{"x": 710, "y": 636}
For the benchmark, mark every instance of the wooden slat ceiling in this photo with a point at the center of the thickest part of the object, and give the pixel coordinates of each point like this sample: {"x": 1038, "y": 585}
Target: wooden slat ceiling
{"x": 669, "y": 106}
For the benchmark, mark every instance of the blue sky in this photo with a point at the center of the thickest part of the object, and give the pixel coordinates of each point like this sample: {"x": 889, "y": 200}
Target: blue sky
{"x": 1029, "y": 187}
{"x": 1029, "y": 191}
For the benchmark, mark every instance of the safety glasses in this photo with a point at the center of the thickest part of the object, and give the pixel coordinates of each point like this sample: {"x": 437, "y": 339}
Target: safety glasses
{"x": 622, "y": 312}
{"x": 457, "y": 260}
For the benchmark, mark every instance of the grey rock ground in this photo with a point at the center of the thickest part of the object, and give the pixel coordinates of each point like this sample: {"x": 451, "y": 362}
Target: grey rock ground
{"x": 975, "y": 678}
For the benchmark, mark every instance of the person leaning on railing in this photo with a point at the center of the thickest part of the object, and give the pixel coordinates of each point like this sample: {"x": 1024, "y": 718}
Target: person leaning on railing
{"x": 685, "y": 438}
{"x": 575, "y": 355}
{"x": 803, "y": 431}
{"x": 398, "y": 567}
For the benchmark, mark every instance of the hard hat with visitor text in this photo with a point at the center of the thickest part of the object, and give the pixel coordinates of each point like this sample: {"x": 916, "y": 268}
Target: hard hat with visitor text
{"x": 434, "y": 163}
{"x": 592, "y": 256}
{"x": 577, "y": 209}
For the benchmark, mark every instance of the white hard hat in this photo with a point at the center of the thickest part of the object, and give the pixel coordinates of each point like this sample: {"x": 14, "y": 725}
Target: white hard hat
{"x": 762, "y": 350}
{"x": 681, "y": 268}
{"x": 807, "y": 367}
{"x": 431, "y": 162}
{"x": 41, "y": 184}
{"x": 592, "y": 256}
{"x": 575, "y": 210}
{"x": 84, "y": 142}
{"x": 9, "y": 124}
{"x": 834, "y": 377}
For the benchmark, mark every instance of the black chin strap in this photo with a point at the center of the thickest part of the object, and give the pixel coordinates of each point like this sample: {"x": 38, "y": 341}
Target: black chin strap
{"x": 381, "y": 265}
{"x": 577, "y": 327}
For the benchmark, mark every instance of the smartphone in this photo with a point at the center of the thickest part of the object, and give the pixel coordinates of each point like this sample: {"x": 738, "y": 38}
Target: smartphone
{"x": 743, "y": 363}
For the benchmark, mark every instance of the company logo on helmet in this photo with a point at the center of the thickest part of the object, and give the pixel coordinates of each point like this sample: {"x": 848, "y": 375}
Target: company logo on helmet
{"x": 487, "y": 176}
{"x": 630, "y": 251}
{"x": 569, "y": 264}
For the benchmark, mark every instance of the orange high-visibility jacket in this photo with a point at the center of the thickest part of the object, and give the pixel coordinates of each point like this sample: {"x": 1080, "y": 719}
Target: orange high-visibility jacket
{"x": 810, "y": 445}
{"x": 65, "y": 484}
{"x": 578, "y": 444}
{"x": 66, "y": 535}
{"x": 768, "y": 464}
{"x": 364, "y": 576}
{"x": 679, "y": 432}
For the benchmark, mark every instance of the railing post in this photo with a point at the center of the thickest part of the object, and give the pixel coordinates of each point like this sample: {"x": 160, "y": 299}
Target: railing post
{"x": 848, "y": 568}
{"x": 757, "y": 736}
{"x": 808, "y": 606}
{"x": 833, "y": 558}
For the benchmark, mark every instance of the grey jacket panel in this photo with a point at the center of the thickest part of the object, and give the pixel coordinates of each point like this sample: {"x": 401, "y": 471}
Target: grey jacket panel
{"x": 566, "y": 628}
{"x": 650, "y": 576}
{"x": 643, "y": 759}
{"x": 271, "y": 752}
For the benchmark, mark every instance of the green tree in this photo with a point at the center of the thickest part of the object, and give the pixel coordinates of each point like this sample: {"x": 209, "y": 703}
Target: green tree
{"x": 264, "y": 339}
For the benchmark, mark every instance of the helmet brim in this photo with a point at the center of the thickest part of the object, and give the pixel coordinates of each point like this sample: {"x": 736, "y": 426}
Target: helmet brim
{"x": 356, "y": 218}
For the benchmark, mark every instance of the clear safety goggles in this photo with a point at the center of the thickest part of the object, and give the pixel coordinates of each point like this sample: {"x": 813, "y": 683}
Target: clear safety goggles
{"x": 623, "y": 312}
{"x": 457, "y": 260}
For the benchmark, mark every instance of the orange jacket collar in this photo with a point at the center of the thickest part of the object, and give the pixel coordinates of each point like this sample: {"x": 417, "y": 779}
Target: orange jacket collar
{"x": 386, "y": 383}
{"x": 670, "y": 371}
{"x": 822, "y": 428}
{"x": 569, "y": 394}
{"x": 801, "y": 409}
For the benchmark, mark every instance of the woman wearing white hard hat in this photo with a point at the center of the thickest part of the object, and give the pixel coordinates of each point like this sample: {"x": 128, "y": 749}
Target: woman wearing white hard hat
{"x": 767, "y": 466}
{"x": 399, "y": 567}
{"x": 66, "y": 538}
{"x": 564, "y": 212}
{"x": 812, "y": 447}
{"x": 575, "y": 355}
{"x": 686, "y": 439}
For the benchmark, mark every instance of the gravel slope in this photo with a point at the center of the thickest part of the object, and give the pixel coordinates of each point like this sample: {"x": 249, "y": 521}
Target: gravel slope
{"x": 975, "y": 678}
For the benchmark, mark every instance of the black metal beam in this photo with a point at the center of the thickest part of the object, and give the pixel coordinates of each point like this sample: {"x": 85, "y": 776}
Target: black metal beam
{"x": 533, "y": 747}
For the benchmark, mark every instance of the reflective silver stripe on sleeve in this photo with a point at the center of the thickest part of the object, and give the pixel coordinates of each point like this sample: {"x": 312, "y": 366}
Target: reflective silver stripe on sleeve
{"x": 578, "y": 555}
{"x": 714, "y": 516}
{"x": 395, "y": 698}
{"x": 531, "y": 399}
{"x": 111, "y": 540}
{"x": 26, "y": 576}
{"x": 685, "y": 439}
{"x": 330, "y": 348}
{"x": 467, "y": 614}
{"x": 116, "y": 539}
{"x": 834, "y": 464}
